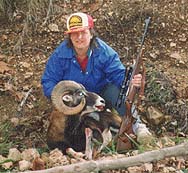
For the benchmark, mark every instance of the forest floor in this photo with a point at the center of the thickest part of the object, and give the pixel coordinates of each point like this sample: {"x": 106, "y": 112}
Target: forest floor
{"x": 25, "y": 47}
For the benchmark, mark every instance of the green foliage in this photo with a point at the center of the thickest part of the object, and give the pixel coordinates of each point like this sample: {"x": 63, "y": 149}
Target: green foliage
{"x": 111, "y": 148}
{"x": 43, "y": 150}
{"x": 3, "y": 5}
{"x": 5, "y": 145}
{"x": 4, "y": 148}
{"x": 185, "y": 170}
{"x": 158, "y": 88}
{"x": 179, "y": 140}
{"x": 7, "y": 8}
{"x": 7, "y": 160}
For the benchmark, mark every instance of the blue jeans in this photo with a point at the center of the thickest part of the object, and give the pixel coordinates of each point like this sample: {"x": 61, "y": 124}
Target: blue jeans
{"x": 110, "y": 94}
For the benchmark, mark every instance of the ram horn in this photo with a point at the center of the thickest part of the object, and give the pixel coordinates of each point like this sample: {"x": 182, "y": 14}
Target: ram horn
{"x": 60, "y": 90}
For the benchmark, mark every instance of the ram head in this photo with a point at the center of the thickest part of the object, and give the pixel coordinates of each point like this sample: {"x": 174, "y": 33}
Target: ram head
{"x": 70, "y": 97}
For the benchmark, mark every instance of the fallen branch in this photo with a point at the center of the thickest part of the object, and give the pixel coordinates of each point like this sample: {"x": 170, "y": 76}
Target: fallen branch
{"x": 119, "y": 163}
{"x": 23, "y": 102}
{"x": 48, "y": 12}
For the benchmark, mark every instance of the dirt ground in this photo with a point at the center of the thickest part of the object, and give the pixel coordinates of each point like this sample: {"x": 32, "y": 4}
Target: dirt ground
{"x": 24, "y": 50}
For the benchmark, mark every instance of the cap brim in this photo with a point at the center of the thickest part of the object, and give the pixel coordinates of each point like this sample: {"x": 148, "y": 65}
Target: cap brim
{"x": 76, "y": 30}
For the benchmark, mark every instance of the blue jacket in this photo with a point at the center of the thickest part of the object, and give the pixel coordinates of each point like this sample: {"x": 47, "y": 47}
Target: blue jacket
{"x": 104, "y": 66}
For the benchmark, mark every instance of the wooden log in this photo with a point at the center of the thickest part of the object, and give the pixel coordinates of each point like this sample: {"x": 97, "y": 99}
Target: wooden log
{"x": 119, "y": 163}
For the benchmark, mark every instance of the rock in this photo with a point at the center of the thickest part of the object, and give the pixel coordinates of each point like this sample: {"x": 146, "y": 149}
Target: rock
{"x": 14, "y": 154}
{"x": 24, "y": 165}
{"x": 148, "y": 167}
{"x": 15, "y": 121}
{"x": 154, "y": 115}
{"x": 53, "y": 27}
{"x": 57, "y": 158}
{"x": 2, "y": 158}
{"x": 30, "y": 154}
{"x": 7, "y": 165}
{"x": 38, "y": 164}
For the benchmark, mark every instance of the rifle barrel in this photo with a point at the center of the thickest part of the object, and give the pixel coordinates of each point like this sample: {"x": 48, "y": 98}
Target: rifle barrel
{"x": 129, "y": 74}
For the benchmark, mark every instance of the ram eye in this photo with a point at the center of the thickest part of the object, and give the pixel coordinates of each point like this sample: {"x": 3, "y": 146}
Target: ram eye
{"x": 81, "y": 94}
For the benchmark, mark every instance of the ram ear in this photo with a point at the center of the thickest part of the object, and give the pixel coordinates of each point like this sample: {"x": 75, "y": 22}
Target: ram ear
{"x": 67, "y": 98}
{"x": 60, "y": 92}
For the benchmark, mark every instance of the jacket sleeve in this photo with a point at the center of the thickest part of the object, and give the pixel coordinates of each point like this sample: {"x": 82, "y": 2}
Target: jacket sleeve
{"x": 51, "y": 75}
{"x": 114, "y": 68}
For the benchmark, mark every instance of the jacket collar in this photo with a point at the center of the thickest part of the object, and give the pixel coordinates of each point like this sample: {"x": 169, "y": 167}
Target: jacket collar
{"x": 89, "y": 53}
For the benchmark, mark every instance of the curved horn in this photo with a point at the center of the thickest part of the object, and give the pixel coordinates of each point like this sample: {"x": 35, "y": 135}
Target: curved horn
{"x": 60, "y": 90}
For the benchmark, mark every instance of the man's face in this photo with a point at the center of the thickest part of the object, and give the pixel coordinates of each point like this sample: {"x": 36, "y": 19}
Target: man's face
{"x": 81, "y": 40}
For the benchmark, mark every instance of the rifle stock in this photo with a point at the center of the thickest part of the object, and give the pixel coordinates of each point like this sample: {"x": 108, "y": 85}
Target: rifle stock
{"x": 126, "y": 130}
{"x": 123, "y": 141}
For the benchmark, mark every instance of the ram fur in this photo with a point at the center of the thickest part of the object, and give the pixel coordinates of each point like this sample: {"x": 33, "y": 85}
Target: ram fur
{"x": 75, "y": 110}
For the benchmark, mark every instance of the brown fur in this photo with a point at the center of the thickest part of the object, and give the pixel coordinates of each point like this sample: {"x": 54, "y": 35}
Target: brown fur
{"x": 69, "y": 131}
{"x": 56, "y": 126}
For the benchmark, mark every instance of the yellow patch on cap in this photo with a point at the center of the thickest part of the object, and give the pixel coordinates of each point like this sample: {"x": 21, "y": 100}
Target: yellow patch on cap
{"x": 75, "y": 21}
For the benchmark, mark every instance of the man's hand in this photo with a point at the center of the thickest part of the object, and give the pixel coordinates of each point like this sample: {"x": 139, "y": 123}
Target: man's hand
{"x": 137, "y": 80}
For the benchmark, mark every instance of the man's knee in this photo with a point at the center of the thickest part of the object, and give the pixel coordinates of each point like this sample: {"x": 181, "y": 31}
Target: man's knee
{"x": 110, "y": 93}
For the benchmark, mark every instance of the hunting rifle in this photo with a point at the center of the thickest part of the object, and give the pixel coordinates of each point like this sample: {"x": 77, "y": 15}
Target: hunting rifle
{"x": 127, "y": 95}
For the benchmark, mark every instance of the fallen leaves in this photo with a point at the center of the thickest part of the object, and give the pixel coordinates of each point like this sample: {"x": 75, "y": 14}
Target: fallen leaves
{"x": 4, "y": 67}
{"x": 53, "y": 27}
{"x": 13, "y": 91}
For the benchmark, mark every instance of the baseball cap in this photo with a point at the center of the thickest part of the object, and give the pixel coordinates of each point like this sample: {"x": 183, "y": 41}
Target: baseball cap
{"x": 78, "y": 22}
